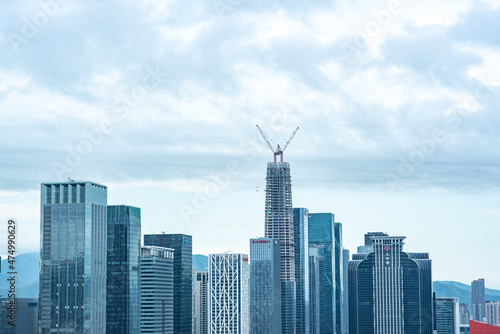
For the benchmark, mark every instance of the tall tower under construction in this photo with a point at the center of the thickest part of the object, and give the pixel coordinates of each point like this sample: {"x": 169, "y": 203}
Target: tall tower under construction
{"x": 279, "y": 225}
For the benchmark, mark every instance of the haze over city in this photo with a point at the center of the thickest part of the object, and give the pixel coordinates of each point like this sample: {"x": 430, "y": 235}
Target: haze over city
{"x": 396, "y": 103}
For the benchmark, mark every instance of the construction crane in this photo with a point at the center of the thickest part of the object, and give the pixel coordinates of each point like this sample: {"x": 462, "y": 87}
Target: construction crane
{"x": 278, "y": 151}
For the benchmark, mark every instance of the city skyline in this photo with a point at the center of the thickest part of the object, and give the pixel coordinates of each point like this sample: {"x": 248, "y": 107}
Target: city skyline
{"x": 182, "y": 85}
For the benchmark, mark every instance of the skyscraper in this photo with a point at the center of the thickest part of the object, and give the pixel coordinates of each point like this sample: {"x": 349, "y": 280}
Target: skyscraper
{"x": 478, "y": 309}
{"x": 321, "y": 233}
{"x": 390, "y": 291}
{"x": 265, "y": 286}
{"x": 446, "y": 315}
{"x": 73, "y": 258}
{"x": 338, "y": 274}
{"x": 316, "y": 270}
{"x": 345, "y": 291}
{"x": 157, "y": 290}
{"x": 26, "y": 316}
{"x": 464, "y": 313}
{"x": 201, "y": 303}
{"x": 493, "y": 312}
{"x": 229, "y": 294}
{"x": 279, "y": 225}
{"x": 183, "y": 276}
{"x": 123, "y": 300}
{"x": 301, "y": 239}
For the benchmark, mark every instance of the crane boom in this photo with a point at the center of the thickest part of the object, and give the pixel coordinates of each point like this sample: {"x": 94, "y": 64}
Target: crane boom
{"x": 278, "y": 150}
{"x": 265, "y": 138}
{"x": 289, "y": 140}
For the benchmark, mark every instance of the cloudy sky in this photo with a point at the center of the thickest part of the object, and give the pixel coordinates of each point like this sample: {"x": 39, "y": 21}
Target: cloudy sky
{"x": 397, "y": 104}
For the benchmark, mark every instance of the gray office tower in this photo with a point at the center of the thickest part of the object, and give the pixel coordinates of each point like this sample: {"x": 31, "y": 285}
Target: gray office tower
{"x": 123, "y": 299}
{"x": 446, "y": 315}
{"x": 201, "y": 303}
{"x": 157, "y": 290}
{"x": 323, "y": 231}
{"x": 478, "y": 302}
{"x": 316, "y": 270}
{"x": 265, "y": 286}
{"x": 72, "y": 258}
{"x": 301, "y": 239}
{"x": 183, "y": 276}
{"x": 279, "y": 225}
{"x": 22, "y": 320}
{"x": 390, "y": 291}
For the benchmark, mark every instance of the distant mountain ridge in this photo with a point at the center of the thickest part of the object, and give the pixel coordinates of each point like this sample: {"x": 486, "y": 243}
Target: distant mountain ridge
{"x": 461, "y": 291}
{"x": 27, "y": 266}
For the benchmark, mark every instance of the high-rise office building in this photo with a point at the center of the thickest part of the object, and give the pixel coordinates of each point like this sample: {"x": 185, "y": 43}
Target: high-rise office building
{"x": 183, "y": 276}
{"x": 478, "y": 292}
{"x": 464, "y": 313}
{"x": 390, "y": 291}
{"x": 201, "y": 302}
{"x": 265, "y": 286}
{"x": 301, "y": 239}
{"x": 123, "y": 299}
{"x": 73, "y": 258}
{"x": 345, "y": 291}
{"x": 228, "y": 298}
{"x": 25, "y": 318}
{"x": 279, "y": 225}
{"x": 493, "y": 312}
{"x": 446, "y": 315}
{"x": 157, "y": 290}
{"x": 316, "y": 270}
{"x": 338, "y": 275}
{"x": 322, "y": 233}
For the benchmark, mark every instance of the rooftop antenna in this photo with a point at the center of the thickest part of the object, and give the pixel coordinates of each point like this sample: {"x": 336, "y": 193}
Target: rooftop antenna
{"x": 278, "y": 151}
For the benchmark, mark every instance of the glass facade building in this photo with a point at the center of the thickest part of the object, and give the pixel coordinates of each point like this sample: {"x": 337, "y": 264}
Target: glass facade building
{"x": 316, "y": 269}
{"x": 228, "y": 299}
{"x": 123, "y": 278}
{"x": 390, "y": 291}
{"x": 446, "y": 315}
{"x": 301, "y": 239}
{"x": 157, "y": 290}
{"x": 26, "y": 317}
{"x": 183, "y": 276}
{"x": 345, "y": 292}
{"x": 73, "y": 250}
{"x": 265, "y": 286}
{"x": 322, "y": 233}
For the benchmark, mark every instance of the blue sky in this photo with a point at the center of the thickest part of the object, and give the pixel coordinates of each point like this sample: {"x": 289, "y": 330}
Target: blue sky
{"x": 397, "y": 104}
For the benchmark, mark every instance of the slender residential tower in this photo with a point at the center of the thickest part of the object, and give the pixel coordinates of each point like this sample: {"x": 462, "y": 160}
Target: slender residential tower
{"x": 478, "y": 308}
{"x": 279, "y": 225}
